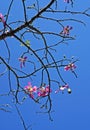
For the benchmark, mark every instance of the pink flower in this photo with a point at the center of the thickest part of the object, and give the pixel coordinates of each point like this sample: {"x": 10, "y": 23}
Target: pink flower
{"x": 39, "y": 94}
{"x": 47, "y": 89}
{"x": 62, "y": 88}
{"x": 44, "y": 91}
{"x": 41, "y": 91}
{"x": 70, "y": 66}
{"x": 35, "y": 89}
{"x": 22, "y": 61}
{"x": 2, "y": 19}
{"x": 42, "y": 94}
{"x": 30, "y": 90}
{"x": 66, "y": 30}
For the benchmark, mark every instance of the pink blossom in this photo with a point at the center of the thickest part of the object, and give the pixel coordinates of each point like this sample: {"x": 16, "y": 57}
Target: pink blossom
{"x": 66, "y": 30}
{"x": 30, "y": 90}
{"x": 41, "y": 91}
{"x": 62, "y": 88}
{"x": 42, "y": 94}
{"x": 47, "y": 89}
{"x": 70, "y": 67}
{"x": 22, "y": 61}
{"x": 44, "y": 91}
{"x": 39, "y": 94}
{"x": 2, "y": 19}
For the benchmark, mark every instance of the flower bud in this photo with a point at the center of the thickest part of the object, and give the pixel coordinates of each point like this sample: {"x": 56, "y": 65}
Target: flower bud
{"x": 69, "y": 90}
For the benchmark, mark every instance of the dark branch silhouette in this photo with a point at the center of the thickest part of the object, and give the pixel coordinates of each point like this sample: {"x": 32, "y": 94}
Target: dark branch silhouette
{"x": 38, "y": 38}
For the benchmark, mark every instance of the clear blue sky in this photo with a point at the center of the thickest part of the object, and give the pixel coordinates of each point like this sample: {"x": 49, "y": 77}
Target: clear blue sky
{"x": 71, "y": 112}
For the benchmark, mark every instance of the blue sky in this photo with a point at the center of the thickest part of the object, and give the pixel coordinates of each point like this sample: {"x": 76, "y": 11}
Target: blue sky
{"x": 68, "y": 111}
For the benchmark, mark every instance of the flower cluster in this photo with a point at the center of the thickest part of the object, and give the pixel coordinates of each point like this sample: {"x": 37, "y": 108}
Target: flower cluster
{"x": 45, "y": 90}
{"x": 22, "y": 61}
{"x": 70, "y": 66}
{"x": 62, "y": 88}
{"x": 66, "y": 30}
{"x": 2, "y": 19}
{"x": 40, "y": 91}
